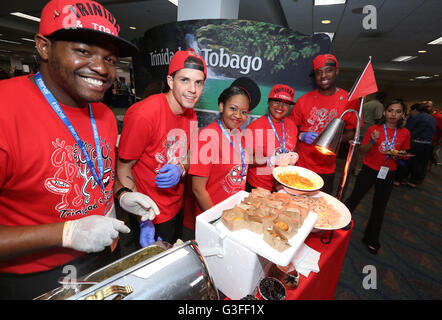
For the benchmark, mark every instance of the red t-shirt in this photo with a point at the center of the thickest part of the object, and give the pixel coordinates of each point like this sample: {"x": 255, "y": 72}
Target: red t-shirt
{"x": 219, "y": 161}
{"x": 154, "y": 135}
{"x": 260, "y": 138}
{"x": 312, "y": 112}
{"x": 374, "y": 158}
{"x": 438, "y": 132}
{"x": 43, "y": 175}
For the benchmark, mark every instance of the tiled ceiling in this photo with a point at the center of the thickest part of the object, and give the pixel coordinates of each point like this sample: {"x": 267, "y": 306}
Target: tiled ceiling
{"x": 403, "y": 27}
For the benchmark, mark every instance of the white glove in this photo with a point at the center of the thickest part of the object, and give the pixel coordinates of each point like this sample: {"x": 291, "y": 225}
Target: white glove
{"x": 283, "y": 159}
{"x": 139, "y": 204}
{"x": 92, "y": 233}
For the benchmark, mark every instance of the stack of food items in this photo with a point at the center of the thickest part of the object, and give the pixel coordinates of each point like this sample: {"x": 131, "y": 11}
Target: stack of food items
{"x": 277, "y": 216}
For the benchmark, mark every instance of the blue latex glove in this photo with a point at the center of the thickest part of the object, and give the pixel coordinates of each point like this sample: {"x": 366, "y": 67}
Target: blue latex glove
{"x": 147, "y": 233}
{"x": 308, "y": 137}
{"x": 169, "y": 176}
{"x": 401, "y": 162}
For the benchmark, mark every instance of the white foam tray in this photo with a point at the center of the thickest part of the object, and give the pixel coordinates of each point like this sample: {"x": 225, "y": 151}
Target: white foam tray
{"x": 251, "y": 240}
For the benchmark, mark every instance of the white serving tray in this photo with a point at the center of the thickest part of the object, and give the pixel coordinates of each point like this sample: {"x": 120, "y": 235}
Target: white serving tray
{"x": 253, "y": 241}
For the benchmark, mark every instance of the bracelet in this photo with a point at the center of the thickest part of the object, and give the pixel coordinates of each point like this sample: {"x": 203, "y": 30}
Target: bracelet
{"x": 183, "y": 170}
{"x": 121, "y": 190}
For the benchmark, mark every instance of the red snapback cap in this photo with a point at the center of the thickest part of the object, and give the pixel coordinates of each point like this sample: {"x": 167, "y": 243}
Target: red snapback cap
{"x": 178, "y": 61}
{"x": 321, "y": 61}
{"x": 282, "y": 92}
{"x": 83, "y": 20}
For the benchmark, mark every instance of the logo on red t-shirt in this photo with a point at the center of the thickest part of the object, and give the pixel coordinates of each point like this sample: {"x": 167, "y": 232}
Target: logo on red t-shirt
{"x": 74, "y": 182}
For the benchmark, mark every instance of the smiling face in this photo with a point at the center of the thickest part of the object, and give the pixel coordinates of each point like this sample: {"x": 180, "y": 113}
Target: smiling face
{"x": 278, "y": 110}
{"x": 186, "y": 87}
{"x": 325, "y": 78}
{"x": 77, "y": 72}
{"x": 234, "y": 111}
{"x": 393, "y": 114}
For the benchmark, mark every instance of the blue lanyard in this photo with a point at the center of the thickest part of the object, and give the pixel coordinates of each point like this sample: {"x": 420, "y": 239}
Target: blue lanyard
{"x": 276, "y": 134}
{"x": 389, "y": 145}
{"x": 241, "y": 152}
{"x": 59, "y": 111}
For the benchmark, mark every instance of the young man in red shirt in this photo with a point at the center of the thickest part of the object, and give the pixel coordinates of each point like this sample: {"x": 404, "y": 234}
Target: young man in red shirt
{"x": 314, "y": 110}
{"x": 154, "y": 144}
{"x": 57, "y": 153}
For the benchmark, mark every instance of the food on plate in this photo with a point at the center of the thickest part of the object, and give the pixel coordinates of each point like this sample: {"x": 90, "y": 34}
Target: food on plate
{"x": 275, "y": 215}
{"x": 328, "y": 216}
{"x": 293, "y": 179}
{"x": 234, "y": 218}
{"x": 276, "y": 239}
{"x": 396, "y": 152}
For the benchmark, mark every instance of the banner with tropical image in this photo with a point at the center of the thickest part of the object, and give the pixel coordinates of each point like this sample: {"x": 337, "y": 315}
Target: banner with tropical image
{"x": 264, "y": 52}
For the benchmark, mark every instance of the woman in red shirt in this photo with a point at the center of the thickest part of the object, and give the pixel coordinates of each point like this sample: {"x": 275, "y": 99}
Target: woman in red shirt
{"x": 272, "y": 139}
{"x": 379, "y": 168}
{"x": 219, "y": 165}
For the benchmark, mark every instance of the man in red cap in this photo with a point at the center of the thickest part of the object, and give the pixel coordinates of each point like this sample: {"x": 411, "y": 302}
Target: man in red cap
{"x": 57, "y": 153}
{"x": 154, "y": 144}
{"x": 272, "y": 137}
{"x": 314, "y": 110}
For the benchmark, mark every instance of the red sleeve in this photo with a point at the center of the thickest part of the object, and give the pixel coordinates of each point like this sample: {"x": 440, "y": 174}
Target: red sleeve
{"x": 350, "y": 118}
{"x": 296, "y": 112}
{"x": 439, "y": 121}
{"x": 134, "y": 137}
{"x": 406, "y": 144}
{"x": 3, "y": 164}
{"x": 366, "y": 138}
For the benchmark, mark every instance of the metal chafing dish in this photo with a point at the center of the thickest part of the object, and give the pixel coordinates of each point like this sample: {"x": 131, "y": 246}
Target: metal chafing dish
{"x": 157, "y": 272}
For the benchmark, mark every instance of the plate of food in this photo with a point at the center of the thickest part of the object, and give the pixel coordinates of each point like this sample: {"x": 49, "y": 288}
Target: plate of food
{"x": 332, "y": 213}
{"x": 298, "y": 180}
{"x": 398, "y": 153}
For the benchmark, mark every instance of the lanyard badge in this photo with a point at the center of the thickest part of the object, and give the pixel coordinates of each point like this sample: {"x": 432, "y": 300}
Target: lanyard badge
{"x": 59, "y": 111}
{"x": 240, "y": 152}
{"x": 389, "y": 145}
{"x": 283, "y": 144}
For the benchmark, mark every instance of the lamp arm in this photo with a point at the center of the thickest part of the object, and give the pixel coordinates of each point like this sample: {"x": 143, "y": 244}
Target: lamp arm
{"x": 353, "y": 144}
{"x": 358, "y": 124}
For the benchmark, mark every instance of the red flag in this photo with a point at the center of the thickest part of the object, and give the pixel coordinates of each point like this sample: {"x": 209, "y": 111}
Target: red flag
{"x": 365, "y": 84}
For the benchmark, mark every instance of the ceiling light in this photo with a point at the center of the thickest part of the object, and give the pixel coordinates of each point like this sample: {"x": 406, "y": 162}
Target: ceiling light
{"x": 325, "y": 21}
{"x": 435, "y": 75}
{"x": 437, "y": 41}
{"x": 26, "y": 39}
{"x": 133, "y": 28}
{"x": 327, "y": 2}
{"x": 8, "y": 41}
{"x": 175, "y": 2}
{"x": 411, "y": 79}
{"x": 404, "y": 58}
{"x": 25, "y": 16}
{"x": 422, "y": 51}
{"x": 423, "y": 77}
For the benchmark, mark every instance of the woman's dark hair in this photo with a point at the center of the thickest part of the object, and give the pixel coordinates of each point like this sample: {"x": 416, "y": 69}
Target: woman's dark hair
{"x": 230, "y": 92}
{"x": 404, "y": 108}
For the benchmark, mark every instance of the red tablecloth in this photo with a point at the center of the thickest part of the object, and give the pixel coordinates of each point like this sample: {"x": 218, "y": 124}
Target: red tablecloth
{"x": 322, "y": 285}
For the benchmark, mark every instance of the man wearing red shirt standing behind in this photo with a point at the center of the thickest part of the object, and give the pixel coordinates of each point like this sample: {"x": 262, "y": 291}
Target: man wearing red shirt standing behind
{"x": 314, "y": 110}
{"x": 153, "y": 149}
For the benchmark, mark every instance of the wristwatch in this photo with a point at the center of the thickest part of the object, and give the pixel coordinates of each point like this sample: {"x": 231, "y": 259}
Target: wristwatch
{"x": 121, "y": 190}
